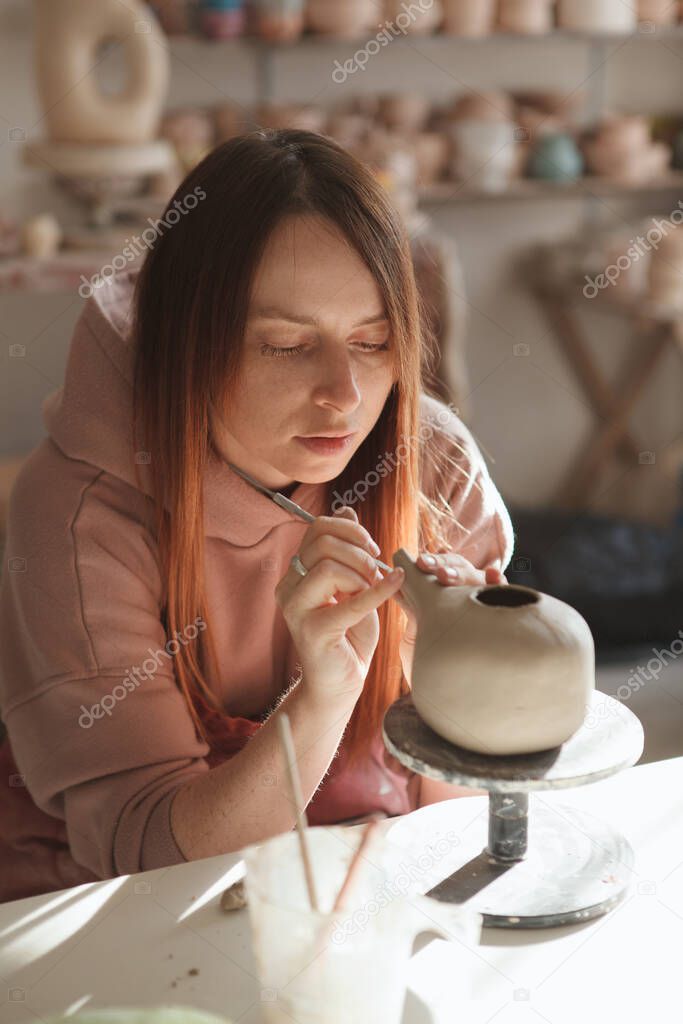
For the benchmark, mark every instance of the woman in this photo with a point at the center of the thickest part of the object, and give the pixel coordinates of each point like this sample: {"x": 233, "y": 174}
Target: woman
{"x": 153, "y": 617}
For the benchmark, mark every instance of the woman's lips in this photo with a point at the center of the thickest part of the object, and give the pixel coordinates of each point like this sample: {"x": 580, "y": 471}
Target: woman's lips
{"x": 326, "y": 445}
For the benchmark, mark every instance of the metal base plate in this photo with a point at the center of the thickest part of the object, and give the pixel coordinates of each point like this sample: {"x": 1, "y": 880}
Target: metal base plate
{"x": 576, "y": 867}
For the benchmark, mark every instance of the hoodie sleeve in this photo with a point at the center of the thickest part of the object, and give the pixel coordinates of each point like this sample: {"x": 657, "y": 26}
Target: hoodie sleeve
{"x": 483, "y": 533}
{"x": 97, "y": 724}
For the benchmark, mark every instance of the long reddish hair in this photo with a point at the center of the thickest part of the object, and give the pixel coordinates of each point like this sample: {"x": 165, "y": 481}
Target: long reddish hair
{"x": 188, "y": 322}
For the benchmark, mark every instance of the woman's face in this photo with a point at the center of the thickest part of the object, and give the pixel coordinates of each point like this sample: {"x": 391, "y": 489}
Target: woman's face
{"x": 313, "y": 296}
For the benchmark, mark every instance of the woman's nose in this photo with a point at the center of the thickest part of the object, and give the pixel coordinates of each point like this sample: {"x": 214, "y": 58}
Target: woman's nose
{"x": 338, "y": 384}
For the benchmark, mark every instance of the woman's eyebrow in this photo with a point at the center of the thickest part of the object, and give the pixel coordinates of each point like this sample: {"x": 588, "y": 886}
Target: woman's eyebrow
{"x": 274, "y": 313}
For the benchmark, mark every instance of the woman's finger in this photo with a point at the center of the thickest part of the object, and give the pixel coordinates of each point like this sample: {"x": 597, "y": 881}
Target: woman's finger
{"x": 344, "y": 616}
{"x": 317, "y": 589}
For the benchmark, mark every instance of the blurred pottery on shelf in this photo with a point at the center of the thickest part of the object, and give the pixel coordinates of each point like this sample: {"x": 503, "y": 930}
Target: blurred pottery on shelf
{"x": 278, "y": 21}
{"x": 420, "y": 18}
{"x": 173, "y": 15}
{"x": 534, "y": 123}
{"x": 555, "y": 158}
{"x": 68, "y": 36}
{"x": 347, "y": 20}
{"x": 483, "y": 106}
{"x": 393, "y": 163}
{"x": 348, "y": 129}
{"x": 621, "y": 148}
{"x": 290, "y": 115}
{"x": 527, "y": 17}
{"x": 403, "y": 112}
{"x": 222, "y": 19}
{"x": 469, "y": 17}
{"x": 625, "y": 134}
{"x": 640, "y": 167}
{"x": 432, "y": 153}
{"x": 41, "y": 236}
{"x": 229, "y": 120}
{"x": 485, "y": 154}
{"x": 659, "y": 12}
{"x": 191, "y": 133}
{"x": 597, "y": 16}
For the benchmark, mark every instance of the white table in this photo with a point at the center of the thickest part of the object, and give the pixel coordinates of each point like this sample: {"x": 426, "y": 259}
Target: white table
{"x": 127, "y": 940}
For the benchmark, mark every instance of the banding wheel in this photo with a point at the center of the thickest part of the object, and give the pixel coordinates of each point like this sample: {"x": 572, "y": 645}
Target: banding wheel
{"x": 542, "y": 864}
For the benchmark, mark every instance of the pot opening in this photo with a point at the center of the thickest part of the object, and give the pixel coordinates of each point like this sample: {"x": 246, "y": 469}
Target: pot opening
{"x": 506, "y": 597}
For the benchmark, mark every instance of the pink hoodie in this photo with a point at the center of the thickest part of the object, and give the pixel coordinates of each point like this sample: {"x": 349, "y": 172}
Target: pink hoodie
{"x": 99, "y": 737}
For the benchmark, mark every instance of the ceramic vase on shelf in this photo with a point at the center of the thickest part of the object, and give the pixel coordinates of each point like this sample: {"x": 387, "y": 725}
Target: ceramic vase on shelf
{"x": 404, "y": 113}
{"x": 432, "y": 154}
{"x": 290, "y": 115}
{"x": 278, "y": 21}
{"x": 469, "y": 17}
{"x": 414, "y": 19}
{"x": 347, "y": 20}
{"x": 173, "y": 15}
{"x": 528, "y": 17}
{"x": 68, "y": 34}
{"x": 600, "y": 16}
{"x": 622, "y": 149}
{"x": 659, "y": 12}
{"x": 191, "y": 133}
{"x": 484, "y": 154}
{"x": 493, "y": 105}
{"x": 555, "y": 157}
{"x": 222, "y": 19}
{"x": 500, "y": 670}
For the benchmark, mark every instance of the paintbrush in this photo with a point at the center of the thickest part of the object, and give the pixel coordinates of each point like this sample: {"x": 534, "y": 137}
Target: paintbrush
{"x": 296, "y": 796}
{"x": 288, "y": 504}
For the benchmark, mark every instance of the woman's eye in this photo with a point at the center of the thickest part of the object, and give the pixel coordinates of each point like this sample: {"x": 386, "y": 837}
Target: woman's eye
{"x": 277, "y": 350}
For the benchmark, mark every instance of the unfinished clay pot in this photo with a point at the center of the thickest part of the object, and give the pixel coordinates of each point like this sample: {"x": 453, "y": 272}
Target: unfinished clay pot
{"x": 497, "y": 669}
{"x": 68, "y": 35}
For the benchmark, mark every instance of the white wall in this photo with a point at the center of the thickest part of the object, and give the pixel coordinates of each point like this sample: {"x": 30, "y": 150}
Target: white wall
{"x": 529, "y": 413}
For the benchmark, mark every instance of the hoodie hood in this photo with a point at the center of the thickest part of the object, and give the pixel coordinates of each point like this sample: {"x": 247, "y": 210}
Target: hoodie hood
{"x": 90, "y": 419}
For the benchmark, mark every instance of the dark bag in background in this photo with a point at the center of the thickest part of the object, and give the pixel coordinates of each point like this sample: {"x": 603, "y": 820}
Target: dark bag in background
{"x": 624, "y": 577}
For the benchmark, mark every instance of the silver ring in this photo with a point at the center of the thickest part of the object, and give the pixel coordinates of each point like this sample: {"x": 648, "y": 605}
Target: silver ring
{"x": 297, "y": 564}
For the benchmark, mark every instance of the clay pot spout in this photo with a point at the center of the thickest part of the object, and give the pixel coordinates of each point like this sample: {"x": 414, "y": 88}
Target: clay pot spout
{"x": 418, "y": 587}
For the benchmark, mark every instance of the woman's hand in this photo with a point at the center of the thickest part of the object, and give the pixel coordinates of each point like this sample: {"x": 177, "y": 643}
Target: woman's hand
{"x": 332, "y": 611}
{"x": 451, "y": 570}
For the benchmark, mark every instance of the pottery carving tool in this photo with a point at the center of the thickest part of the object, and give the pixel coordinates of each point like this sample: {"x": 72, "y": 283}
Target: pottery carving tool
{"x": 288, "y": 504}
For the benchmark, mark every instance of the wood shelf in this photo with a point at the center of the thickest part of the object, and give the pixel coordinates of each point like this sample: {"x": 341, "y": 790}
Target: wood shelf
{"x": 531, "y": 188}
{"x": 63, "y": 272}
{"x": 670, "y": 32}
